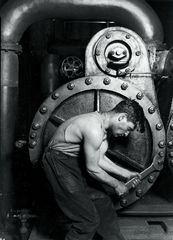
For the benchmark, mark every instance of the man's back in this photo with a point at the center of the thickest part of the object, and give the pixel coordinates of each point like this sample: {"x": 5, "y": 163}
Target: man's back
{"x": 70, "y": 134}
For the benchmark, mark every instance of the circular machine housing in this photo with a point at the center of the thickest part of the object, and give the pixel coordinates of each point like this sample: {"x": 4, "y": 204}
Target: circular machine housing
{"x": 142, "y": 152}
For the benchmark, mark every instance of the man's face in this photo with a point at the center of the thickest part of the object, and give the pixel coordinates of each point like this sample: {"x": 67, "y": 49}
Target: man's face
{"x": 122, "y": 127}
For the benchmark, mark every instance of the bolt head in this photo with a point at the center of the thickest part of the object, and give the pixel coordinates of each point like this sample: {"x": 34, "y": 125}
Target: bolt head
{"x": 35, "y": 126}
{"x": 161, "y": 144}
{"x": 139, "y": 95}
{"x": 123, "y": 202}
{"x": 43, "y": 109}
{"x": 55, "y": 95}
{"x": 33, "y": 135}
{"x": 139, "y": 193}
{"x": 159, "y": 126}
{"x": 32, "y": 144}
{"x": 151, "y": 110}
{"x": 128, "y": 36}
{"x": 70, "y": 86}
{"x": 171, "y": 126}
{"x": 138, "y": 53}
{"x": 170, "y": 144}
{"x": 106, "y": 81}
{"x": 151, "y": 179}
{"x": 88, "y": 81}
{"x": 124, "y": 86}
{"x": 171, "y": 154}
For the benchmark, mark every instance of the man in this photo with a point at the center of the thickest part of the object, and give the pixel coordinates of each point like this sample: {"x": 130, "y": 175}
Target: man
{"x": 76, "y": 165}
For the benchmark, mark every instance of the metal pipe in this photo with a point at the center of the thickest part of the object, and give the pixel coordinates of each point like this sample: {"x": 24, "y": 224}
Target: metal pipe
{"x": 16, "y": 17}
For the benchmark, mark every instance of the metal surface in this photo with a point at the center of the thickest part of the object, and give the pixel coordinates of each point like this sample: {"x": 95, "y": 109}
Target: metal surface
{"x": 78, "y": 97}
{"x": 136, "y": 15}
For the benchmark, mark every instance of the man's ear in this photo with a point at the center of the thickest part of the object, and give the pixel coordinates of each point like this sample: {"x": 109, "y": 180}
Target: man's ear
{"x": 122, "y": 116}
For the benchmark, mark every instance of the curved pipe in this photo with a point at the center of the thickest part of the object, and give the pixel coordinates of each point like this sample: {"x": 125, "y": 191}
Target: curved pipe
{"x": 137, "y": 15}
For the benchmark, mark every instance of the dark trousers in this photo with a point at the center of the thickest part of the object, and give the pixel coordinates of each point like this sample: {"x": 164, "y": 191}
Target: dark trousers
{"x": 73, "y": 197}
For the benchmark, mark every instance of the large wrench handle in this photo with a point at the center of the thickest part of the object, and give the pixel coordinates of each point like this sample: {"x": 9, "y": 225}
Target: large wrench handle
{"x": 155, "y": 166}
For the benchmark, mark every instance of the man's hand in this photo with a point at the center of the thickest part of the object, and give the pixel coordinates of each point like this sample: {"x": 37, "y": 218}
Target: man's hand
{"x": 121, "y": 189}
{"x": 131, "y": 175}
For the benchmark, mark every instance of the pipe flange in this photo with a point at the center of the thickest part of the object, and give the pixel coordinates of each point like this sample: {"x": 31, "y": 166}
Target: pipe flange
{"x": 117, "y": 51}
{"x": 65, "y": 95}
{"x": 14, "y": 47}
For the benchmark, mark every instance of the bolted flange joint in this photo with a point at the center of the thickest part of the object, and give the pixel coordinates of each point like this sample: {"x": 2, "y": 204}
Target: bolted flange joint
{"x": 13, "y": 47}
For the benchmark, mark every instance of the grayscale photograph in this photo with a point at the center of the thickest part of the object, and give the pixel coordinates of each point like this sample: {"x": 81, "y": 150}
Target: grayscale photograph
{"x": 86, "y": 120}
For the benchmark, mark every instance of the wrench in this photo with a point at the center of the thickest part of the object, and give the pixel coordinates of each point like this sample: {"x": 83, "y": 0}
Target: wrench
{"x": 154, "y": 167}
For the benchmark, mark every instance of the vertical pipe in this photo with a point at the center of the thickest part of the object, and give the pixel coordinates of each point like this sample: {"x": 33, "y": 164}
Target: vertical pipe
{"x": 9, "y": 93}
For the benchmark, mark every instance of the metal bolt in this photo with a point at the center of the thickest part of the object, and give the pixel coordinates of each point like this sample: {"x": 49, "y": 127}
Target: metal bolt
{"x": 161, "y": 154}
{"x": 171, "y": 154}
{"x": 171, "y": 162}
{"x": 124, "y": 86}
{"x": 88, "y": 81}
{"x": 170, "y": 144}
{"x": 128, "y": 36}
{"x": 35, "y": 126}
{"x": 160, "y": 162}
{"x": 123, "y": 202}
{"x": 98, "y": 51}
{"x": 161, "y": 144}
{"x": 151, "y": 179}
{"x": 107, "y": 70}
{"x": 151, "y": 110}
{"x": 108, "y": 35}
{"x": 171, "y": 126}
{"x": 55, "y": 95}
{"x": 43, "y": 109}
{"x": 32, "y": 144}
{"x": 106, "y": 81}
{"x": 159, "y": 126}
{"x": 33, "y": 135}
{"x": 121, "y": 73}
{"x": 127, "y": 70}
{"x": 139, "y": 193}
{"x": 139, "y": 95}
{"x": 138, "y": 53}
{"x": 70, "y": 86}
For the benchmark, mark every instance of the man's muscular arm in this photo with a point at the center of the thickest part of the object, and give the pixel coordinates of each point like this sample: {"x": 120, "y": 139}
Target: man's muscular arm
{"x": 92, "y": 142}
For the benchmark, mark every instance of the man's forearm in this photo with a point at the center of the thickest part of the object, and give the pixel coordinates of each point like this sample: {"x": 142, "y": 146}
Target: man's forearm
{"x": 104, "y": 177}
{"x": 107, "y": 165}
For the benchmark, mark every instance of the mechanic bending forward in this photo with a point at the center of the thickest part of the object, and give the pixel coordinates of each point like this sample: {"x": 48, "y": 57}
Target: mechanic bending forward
{"x": 76, "y": 166}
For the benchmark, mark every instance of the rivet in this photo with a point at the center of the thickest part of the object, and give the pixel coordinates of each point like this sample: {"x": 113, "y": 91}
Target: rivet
{"x": 107, "y": 70}
{"x": 55, "y": 95}
{"x": 32, "y": 144}
{"x": 161, "y": 154}
{"x": 139, "y": 193}
{"x": 106, "y": 81}
{"x": 151, "y": 110}
{"x": 123, "y": 202}
{"x": 108, "y": 35}
{"x": 159, "y": 126}
{"x": 88, "y": 81}
{"x": 170, "y": 144}
{"x": 127, "y": 70}
{"x": 160, "y": 162}
{"x": 128, "y": 36}
{"x": 43, "y": 109}
{"x": 70, "y": 86}
{"x": 98, "y": 51}
{"x": 139, "y": 95}
{"x": 171, "y": 154}
{"x": 171, "y": 126}
{"x": 121, "y": 73}
{"x": 171, "y": 162}
{"x": 35, "y": 126}
{"x": 33, "y": 135}
{"x": 151, "y": 179}
{"x": 124, "y": 86}
{"x": 138, "y": 53}
{"x": 161, "y": 144}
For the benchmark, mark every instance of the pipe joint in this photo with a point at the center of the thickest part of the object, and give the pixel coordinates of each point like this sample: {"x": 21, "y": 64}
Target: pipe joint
{"x": 14, "y": 47}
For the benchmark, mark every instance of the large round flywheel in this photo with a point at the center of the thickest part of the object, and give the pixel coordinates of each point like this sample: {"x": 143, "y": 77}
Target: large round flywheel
{"x": 142, "y": 152}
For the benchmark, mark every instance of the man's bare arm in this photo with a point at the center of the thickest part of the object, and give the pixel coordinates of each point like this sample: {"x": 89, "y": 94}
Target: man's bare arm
{"x": 109, "y": 166}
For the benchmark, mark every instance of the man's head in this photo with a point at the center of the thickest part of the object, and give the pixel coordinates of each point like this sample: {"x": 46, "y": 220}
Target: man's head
{"x": 126, "y": 116}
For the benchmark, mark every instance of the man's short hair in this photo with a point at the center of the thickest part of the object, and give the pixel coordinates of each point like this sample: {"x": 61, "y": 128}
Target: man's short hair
{"x": 134, "y": 111}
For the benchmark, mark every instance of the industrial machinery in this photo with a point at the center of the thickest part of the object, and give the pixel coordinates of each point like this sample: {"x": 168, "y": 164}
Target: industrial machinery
{"x": 124, "y": 61}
